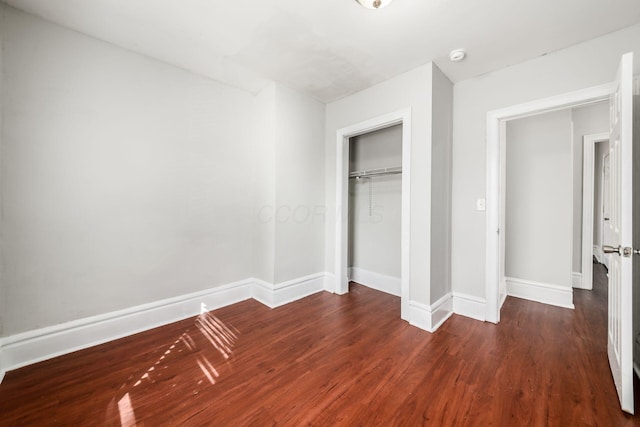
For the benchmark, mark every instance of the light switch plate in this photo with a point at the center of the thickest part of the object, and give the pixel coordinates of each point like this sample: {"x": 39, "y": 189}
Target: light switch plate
{"x": 481, "y": 205}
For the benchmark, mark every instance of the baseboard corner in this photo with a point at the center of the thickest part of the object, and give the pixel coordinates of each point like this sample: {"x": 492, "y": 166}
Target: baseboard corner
{"x": 560, "y": 296}
{"x": 295, "y": 289}
{"x": 430, "y": 317}
{"x": 576, "y": 280}
{"x": 380, "y": 282}
{"x": 2, "y": 370}
{"x": 469, "y": 306}
{"x": 329, "y": 282}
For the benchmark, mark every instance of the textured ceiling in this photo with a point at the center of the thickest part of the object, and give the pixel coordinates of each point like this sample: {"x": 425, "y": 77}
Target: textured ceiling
{"x": 332, "y": 48}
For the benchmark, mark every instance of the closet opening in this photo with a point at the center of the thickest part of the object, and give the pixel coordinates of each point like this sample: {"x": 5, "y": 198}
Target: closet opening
{"x": 373, "y": 205}
{"x": 375, "y": 209}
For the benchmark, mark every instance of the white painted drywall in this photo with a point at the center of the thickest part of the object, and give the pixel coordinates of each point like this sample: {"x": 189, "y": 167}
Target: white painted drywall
{"x": 587, "y": 64}
{"x": 264, "y": 181}
{"x": 409, "y": 90}
{"x": 299, "y": 184}
{"x": 601, "y": 149}
{"x": 587, "y": 120}
{"x": 2, "y": 100}
{"x": 441, "y": 172}
{"x": 374, "y": 234}
{"x": 376, "y": 150}
{"x": 538, "y": 230}
{"x": 124, "y": 180}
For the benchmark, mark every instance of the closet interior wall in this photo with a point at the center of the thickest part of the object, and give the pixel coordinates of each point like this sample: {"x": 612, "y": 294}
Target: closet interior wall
{"x": 375, "y": 209}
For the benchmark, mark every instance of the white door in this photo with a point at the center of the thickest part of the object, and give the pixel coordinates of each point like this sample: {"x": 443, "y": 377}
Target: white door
{"x": 619, "y": 235}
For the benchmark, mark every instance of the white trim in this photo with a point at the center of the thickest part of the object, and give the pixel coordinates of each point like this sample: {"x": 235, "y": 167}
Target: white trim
{"x": 283, "y": 293}
{"x": 588, "y": 197}
{"x": 329, "y": 282}
{"x": 2, "y": 370}
{"x": 441, "y": 310}
{"x": 420, "y": 315}
{"x": 597, "y": 252}
{"x": 469, "y": 306}
{"x": 494, "y": 219}
{"x": 342, "y": 200}
{"x": 34, "y": 346}
{"x": 561, "y": 296}
{"x": 430, "y": 318}
{"x": 389, "y": 284}
{"x": 577, "y": 280}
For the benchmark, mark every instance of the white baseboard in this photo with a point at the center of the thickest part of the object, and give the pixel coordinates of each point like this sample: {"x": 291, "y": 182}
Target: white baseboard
{"x": 2, "y": 370}
{"x": 377, "y": 281}
{"x": 329, "y": 282}
{"x": 576, "y": 280}
{"x": 469, "y": 306}
{"x": 34, "y": 346}
{"x": 283, "y": 293}
{"x": 597, "y": 252}
{"x": 441, "y": 310}
{"x": 430, "y": 318}
{"x": 503, "y": 297}
{"x": 560, "y": 296}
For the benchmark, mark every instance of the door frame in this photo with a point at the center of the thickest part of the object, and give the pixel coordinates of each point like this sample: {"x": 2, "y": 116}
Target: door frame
{"x": 495, "y": 219}
{"x": 402, "y": 117}
{"x": 588, "y": 204}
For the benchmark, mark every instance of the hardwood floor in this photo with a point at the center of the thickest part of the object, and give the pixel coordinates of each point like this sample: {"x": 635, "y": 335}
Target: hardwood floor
{"x": 335, "y": 360}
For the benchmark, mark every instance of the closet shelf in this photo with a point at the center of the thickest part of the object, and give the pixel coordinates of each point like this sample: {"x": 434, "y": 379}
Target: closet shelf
{"x": 376, "y": 172}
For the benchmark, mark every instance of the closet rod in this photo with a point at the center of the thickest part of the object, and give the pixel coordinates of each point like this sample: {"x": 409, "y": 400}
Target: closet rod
{"x": 376, "y": 172}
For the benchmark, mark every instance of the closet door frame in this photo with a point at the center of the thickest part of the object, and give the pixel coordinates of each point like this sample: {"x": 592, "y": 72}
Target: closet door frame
{"x": 402, "y": 117}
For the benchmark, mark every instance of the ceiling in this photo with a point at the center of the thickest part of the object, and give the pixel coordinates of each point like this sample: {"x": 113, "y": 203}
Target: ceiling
{"x": 332, "y": 48}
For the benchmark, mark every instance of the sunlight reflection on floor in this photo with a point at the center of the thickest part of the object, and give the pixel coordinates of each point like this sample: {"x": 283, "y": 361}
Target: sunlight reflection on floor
{"x": 127, "y": 416}
{"x": 206, "y": 351}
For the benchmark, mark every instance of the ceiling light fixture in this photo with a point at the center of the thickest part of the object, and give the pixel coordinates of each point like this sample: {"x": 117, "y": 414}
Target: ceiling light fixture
{"x": 374, "y": 4}
{"x": 457, "y": 55}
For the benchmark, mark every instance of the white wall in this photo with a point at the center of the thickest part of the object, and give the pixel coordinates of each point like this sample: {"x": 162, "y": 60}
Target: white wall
{"x": 124, "y": 180}
{"x": 584, "y": 65}
{"x": 374, "y": 236}
{"x": 288, "y": 185}
{"x": 587, "y": 120}
{"x": 601, "y": 149}
{"x": 441, "y": 173}
{"x": 538, "y": 231}
{"x": 409, "y": 90}
{"x": 376, "y": 150}
{"x": 299, "y": 180}
{"x": 264, "y": 185}
{"x": 2, "y": 286}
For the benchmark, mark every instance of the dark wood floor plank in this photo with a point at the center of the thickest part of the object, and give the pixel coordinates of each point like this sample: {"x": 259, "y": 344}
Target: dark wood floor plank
{"x": 335, "y": 360}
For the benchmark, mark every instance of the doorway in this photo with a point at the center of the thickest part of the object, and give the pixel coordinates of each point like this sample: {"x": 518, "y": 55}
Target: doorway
{"x": 594, "y": 188}
{"x": 343, "y": 136}
{"x": 621, "y": 327}
{"x": 375, "y": 202}
{"x": 538, "y": 215}
{"x": 496, "y": 185}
